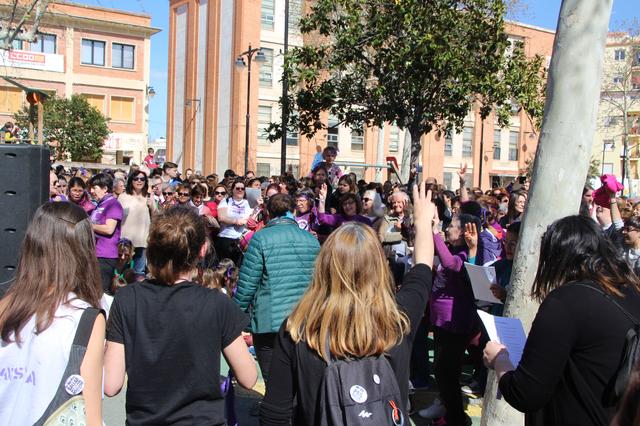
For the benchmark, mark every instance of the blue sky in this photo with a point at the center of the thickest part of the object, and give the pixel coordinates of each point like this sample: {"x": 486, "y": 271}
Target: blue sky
{"x": 543, "y": 13}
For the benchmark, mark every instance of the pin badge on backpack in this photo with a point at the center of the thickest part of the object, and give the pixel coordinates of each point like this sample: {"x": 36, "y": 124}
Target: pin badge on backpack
{"x": 74, "y": 384}
{"x": 376, "y": 379}
{"x": 358, "y": 394}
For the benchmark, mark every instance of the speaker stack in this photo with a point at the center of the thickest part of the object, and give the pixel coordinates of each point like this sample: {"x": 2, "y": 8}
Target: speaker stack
{"x": 24, "y": 186}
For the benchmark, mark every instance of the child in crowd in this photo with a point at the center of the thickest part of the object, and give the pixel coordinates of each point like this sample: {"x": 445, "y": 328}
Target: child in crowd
{"x": 124, "y": 273}
{"x": 223, "y": 277}
{"x": 334, "y": 171}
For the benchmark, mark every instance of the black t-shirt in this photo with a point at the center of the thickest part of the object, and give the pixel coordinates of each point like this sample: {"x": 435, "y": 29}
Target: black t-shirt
{"x": 173, "y": 336}
{"x": 302, "y": 380}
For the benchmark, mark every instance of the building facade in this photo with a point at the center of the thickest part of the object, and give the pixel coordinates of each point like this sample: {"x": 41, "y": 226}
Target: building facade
{"x": 207, "y": 103}
{"x": 101, "y": 54}
{"x": 619, "y": 112}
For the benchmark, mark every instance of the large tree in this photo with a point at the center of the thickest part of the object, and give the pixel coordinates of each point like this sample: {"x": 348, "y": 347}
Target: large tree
{"x": 419, "y": 64}
{"x": 75, "y": 129}
{"x": 19, "y": 20}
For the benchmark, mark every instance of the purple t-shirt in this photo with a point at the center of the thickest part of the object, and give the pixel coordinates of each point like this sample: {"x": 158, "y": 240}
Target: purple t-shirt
{"x": 107, "y": 208}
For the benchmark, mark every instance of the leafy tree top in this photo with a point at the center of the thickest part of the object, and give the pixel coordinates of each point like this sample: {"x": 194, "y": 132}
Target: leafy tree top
{"x": 78, "y": 129}
{"x": 419, "y": 64}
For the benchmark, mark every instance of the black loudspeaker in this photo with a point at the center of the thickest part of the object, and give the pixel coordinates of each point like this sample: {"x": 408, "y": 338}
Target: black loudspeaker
{"x": 24, "y": 186}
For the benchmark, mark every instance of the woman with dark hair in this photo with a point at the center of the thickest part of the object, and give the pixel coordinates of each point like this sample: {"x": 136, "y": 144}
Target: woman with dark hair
{"x": 233, "y": 213}
{"x": 515, "y": 208}
{"x": 166, "y": 333}
{"x": 218, "y": 194}
{"x": 106, "y": 220}
{"x": 453, "y": 312}
{"x": 57, "y": 282}
{"x": 346, "y": 185}
{"x": 137, "y": 207}
{"x": 576, "y": 342}
{"x": 349, "y": 210}
{"x": 78, "y": 194}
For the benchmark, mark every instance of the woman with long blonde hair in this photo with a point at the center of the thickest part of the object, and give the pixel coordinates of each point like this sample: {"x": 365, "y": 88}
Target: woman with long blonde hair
{"x": 349, "y": 312}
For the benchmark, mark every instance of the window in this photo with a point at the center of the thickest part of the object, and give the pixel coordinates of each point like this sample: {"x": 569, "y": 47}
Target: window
{"x": 607, "y": 169}
{"x": 268, "y": 10}
{"x": 121, "y": 109}
{"x": 16, "y": 44}
{"x": 513, "y": 146}
{"x": 263, "y": 169}
{"x": 448, "y": 179}
{"x": 357, "y": 140}
{"x": 122, "y": 56}
{"x": 467, "y": 140}
{"x": 264, "y": 119}
{"x": 45, "y": 43}
{"x": 10, "y": 99}
{"x": 617, "y": 79}
{"x": 496, "y": 144}
{"x": 394, "y": 139}
{"x": 619, "y": 55}
{"x": 266, "y": 69}
{"x": 332, "y": 132}
{"x": 610, "y": 121}
{"x": 359, "y": 171}
{"x": 96, "y": 101}
{"x": 448, "y": 145}
{"x": 92, "y": 52}
{"x": 608, "y": 145}
{"x": 295, "y": 13}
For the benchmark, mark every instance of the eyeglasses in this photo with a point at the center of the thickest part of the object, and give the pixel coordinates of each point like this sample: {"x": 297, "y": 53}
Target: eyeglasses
{"x": 220, "y": 192}
{"x": 183, "y": 194}
{"x": 238, "y": 188}
{"x": 167, "y": 193}
{"x": 139, "y": 179}
{"x": 365, "y": 200}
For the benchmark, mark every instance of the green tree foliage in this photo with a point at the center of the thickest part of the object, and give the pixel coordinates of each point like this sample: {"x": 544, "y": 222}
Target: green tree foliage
{"x": 78, "y": 128}
{"x": 419, "y": 64}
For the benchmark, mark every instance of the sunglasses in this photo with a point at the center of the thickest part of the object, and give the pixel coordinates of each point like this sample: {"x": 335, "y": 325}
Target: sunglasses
{"x": 167, "y": 193}
{"x": 139, "y": 179}
{"x": 220, "y": 192}
{"x": 183, "y": 194}
{"x": 366, "y": 200}
{"x": 239, "y": 189}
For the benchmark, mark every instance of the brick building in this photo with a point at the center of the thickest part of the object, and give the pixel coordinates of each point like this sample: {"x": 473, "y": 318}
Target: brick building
{"x": 101, "y": 54}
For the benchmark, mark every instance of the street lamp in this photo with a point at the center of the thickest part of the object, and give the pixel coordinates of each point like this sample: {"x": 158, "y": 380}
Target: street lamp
{"x": 240, "y": 64}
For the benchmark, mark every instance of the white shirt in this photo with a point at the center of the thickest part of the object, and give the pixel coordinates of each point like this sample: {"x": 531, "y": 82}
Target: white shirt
{"x": 235, "y": 210}
{"x": 31, "y": 373}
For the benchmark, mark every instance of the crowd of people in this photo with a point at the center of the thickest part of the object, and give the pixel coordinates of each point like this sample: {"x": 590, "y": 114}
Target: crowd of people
{"x": 311, "y": 275}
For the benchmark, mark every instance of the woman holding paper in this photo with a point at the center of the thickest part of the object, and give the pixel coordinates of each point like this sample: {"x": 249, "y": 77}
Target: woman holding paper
{"x": 453, "y": 311}
{"x": 572, "y": 355}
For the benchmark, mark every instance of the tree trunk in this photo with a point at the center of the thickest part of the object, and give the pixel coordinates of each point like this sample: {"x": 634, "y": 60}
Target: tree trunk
{"x": 568, "y": 129}
{"x": 405, "y": 167}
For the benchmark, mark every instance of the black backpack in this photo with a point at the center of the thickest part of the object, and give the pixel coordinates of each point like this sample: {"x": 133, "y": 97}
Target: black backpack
{"x": 360, "y": 392}
{"x": 631, "y": 353}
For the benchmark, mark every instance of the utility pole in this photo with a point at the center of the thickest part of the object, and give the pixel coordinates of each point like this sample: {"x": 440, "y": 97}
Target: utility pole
{"x": 571, "y": 109}
{"x": 285, "y": 94}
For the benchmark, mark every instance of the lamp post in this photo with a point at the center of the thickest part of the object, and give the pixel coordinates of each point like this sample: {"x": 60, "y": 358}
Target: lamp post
{"x": 240, "y": 64}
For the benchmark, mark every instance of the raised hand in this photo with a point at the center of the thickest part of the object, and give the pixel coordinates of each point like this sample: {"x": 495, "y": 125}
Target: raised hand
{"x": 471, "y": 235}
{"x": 462, "y": 171}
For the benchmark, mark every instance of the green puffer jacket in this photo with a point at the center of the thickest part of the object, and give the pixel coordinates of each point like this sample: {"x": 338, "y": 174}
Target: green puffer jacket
{"x": 275, "y": 272}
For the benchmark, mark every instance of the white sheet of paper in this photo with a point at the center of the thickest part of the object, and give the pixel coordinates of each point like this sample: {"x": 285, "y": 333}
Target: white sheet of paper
{"x": 507, "y": 331}
{"x": 482, "y": 277}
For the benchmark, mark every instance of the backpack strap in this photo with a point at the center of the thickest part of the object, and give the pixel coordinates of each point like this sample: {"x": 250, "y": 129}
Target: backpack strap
{"x": 633, "y": 319}
{"x": 76, "y": 356}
